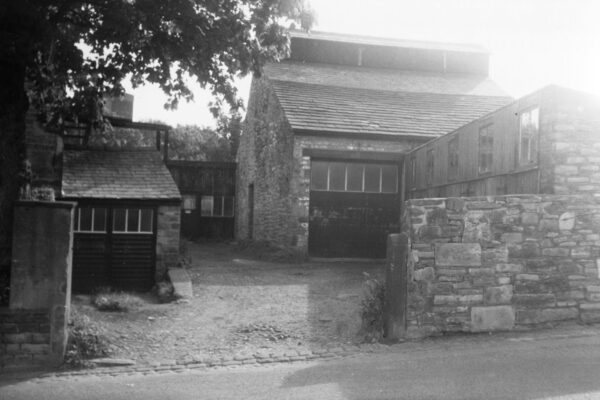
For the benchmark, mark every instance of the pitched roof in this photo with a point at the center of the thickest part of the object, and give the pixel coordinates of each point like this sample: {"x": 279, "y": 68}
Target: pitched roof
{"x": 383, "y": 79}
{"x": 317, "y": 107}
{"x": 112, "y": 174}
{"x": 392, "y": 42}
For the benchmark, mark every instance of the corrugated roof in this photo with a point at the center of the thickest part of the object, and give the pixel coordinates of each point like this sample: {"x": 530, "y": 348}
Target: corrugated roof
{"x": 392, "y": 42}
{"x": 383, "y": 79}
{"x": 318, "y": 107}
{"x": 106, "y": 174}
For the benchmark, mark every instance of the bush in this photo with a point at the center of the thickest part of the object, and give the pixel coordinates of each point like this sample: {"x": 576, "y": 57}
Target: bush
{"x": 106, "y": 299}
{"x": 85, "y": 341}
{"x": 372, "y": 310}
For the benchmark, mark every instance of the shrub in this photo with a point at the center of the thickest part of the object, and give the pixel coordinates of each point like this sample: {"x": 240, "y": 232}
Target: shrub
{"x": 372, "y": 310}
{"x": 107, "y": 299}
{"x": 85, "y": 341}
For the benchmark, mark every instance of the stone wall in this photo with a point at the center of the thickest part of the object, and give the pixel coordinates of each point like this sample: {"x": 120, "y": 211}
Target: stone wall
{"x": 24, "y": 338}
{"x": 34, "y": 328}
{"x": 502, "y": 263}
{"x": 167, "y": 239}
{"x": 265, "y": 161}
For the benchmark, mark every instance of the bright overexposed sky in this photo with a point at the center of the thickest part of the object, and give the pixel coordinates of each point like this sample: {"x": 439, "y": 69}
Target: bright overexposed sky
{"x": 532, "y": 42}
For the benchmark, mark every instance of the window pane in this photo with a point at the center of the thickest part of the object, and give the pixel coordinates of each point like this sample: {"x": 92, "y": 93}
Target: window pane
{"x": 218, "y": 206}
{"x": 389, "y": 179}
{"x": 228, "y": 212}
{"x": 100, "y": 219}
{"x": 189, "y": 202}
{"x": 146, "y": 223}
{"x": 355, "y": 177}
{"x": 76, "y": 221}
{"x": 206, "y": 206}
{"x": 85, "y": 219}
{"x": 372, "y": 178}
{"x": 337, "y": 176}
{"x": 119, "y": 220}
{"x": 318, "y": 175}
{"x": 133, "y": 219}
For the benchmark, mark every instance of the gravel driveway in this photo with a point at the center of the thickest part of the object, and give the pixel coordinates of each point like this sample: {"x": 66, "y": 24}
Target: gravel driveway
{"x": 242, "y": 306}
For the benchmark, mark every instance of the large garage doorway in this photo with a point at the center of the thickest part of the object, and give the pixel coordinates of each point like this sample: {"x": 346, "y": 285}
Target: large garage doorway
{"x": 353, "y": 207}
{"x": 114, "y": 246}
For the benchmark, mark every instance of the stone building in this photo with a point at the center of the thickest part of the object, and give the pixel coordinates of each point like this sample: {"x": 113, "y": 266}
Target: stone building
{"x": 127, "y": 220}
{"x": 327, "y": 130}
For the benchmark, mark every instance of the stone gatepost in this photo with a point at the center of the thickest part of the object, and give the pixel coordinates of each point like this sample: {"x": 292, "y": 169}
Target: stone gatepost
{"x": 396, "y": 279}
{"x": 41, "y": 266}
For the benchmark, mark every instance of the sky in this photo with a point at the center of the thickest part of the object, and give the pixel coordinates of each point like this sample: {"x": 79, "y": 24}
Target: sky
{"x": 532, "y": 43}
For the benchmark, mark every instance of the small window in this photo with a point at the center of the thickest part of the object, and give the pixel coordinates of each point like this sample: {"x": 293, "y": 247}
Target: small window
{"x": 486, "y": 149}
{"x": 372, "y": 178}
{"x": 453, "y": 158}
{"x": 355, "y": 177}
{"x": 119, "y": 220}
{"x": 318, "y": 175}
{"x": 529, "y": 125}
{"x": 429, "y": 178}
{"x": 413, "y": 171}
{"x": 206, "y": 206}
{"x": 389, "y": 178}
{"x": 90, "y": 219}
{"x": 132, "y": 220}
{"x": 337, "y": 176}
{"x": 188, "y": 202}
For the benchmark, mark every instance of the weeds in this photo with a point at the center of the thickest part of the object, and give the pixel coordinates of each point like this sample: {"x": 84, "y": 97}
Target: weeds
{"x": 85, "y": 341}
{"x": 107, "y": 299}
{"x": 372, "y": 310}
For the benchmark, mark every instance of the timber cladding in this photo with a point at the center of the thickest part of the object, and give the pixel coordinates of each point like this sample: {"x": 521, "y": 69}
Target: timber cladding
{"x": 542, "y": 143}
{"x": 500, "y": 263}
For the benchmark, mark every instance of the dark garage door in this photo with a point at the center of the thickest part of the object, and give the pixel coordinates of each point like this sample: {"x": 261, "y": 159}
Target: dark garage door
{"x": 353, "y": 207}
{"x": 114, "y": 246}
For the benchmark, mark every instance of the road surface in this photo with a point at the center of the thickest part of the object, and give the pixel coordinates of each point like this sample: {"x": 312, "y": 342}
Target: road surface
{"x": 517, "y": 368}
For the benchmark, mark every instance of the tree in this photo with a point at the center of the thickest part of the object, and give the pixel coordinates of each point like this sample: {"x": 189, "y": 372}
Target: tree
{"x": 62, "y": 56}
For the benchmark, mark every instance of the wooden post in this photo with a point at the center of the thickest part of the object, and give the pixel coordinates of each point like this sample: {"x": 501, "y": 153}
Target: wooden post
{"x": 158, "y": 140}
{"x": 396, "y": 279}
{"x": 166, "y": 147}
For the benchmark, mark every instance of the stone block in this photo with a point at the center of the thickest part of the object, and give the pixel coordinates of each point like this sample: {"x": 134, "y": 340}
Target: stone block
{"x": 534, "y": 299}
{"x": 556, "y": 252}
{"x": 538, "y": 316}
{"x": 424, "y": 274}
{"x": 509, "y": 268}
{"x": 512, "y": 237}
{"x": 548, "y": 225}
{"x": 494, "y": 255}
{"x": 494, "y": 318}
{"x": 530, "y": 218}
{"x": 566, "y": 221}
{"x": 528, "y": 277}
{"x": 458, "y": 255}
{"x": 589, "y": 306}
{"x": 457, "y": 299}
{"x": 590, "y": 317}
{"x": 17, "y": 338}
{"x": 498, "y": 294}
{"x": 35, "y": 348}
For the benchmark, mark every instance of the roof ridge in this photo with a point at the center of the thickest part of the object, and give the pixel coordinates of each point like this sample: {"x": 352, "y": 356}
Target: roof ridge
{"x": 433, "y": 94}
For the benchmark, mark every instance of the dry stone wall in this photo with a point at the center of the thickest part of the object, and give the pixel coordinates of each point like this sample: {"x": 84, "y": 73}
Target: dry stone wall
{"x": 502, "y": 263}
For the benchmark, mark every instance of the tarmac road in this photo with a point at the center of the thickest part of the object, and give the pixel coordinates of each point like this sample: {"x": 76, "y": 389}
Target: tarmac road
{"x": 519, "y": 368}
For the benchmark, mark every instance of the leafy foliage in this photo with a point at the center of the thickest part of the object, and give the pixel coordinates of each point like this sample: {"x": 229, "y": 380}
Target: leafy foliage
{"x": 85, "y": 341}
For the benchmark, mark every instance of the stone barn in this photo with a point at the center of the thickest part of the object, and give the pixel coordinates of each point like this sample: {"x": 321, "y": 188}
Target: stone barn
{"x": 326, "y": 133}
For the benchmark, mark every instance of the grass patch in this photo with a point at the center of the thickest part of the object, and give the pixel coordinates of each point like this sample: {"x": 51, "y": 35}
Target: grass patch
{"x": 372, "y": 310}
{"x": 85, "y": 341}
{"x": 107, "y": 299}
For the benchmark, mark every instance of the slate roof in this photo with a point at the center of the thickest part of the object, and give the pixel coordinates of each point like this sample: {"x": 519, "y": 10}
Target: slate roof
{"x": 392, "y": 42}
{"x": 112, "y": 174}
{"x": 352, "y": 110}
{"x": 383, "y": 79}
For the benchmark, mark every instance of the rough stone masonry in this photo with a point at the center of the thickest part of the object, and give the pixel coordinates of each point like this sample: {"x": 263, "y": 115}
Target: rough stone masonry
{"x": 502, "y": 263}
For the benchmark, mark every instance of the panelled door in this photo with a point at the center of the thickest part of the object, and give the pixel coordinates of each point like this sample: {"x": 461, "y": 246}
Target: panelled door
{"x": 114, "y": 246}
{"x": 353, "y": 207}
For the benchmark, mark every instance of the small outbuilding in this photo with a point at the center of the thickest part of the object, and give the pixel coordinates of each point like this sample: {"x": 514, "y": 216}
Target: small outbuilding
{"x": 127, "y": 221}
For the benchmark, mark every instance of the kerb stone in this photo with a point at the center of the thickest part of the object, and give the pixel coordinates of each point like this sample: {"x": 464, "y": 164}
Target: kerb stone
{"x": 495, "y": 318}
{"x": 458, "y": 255}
